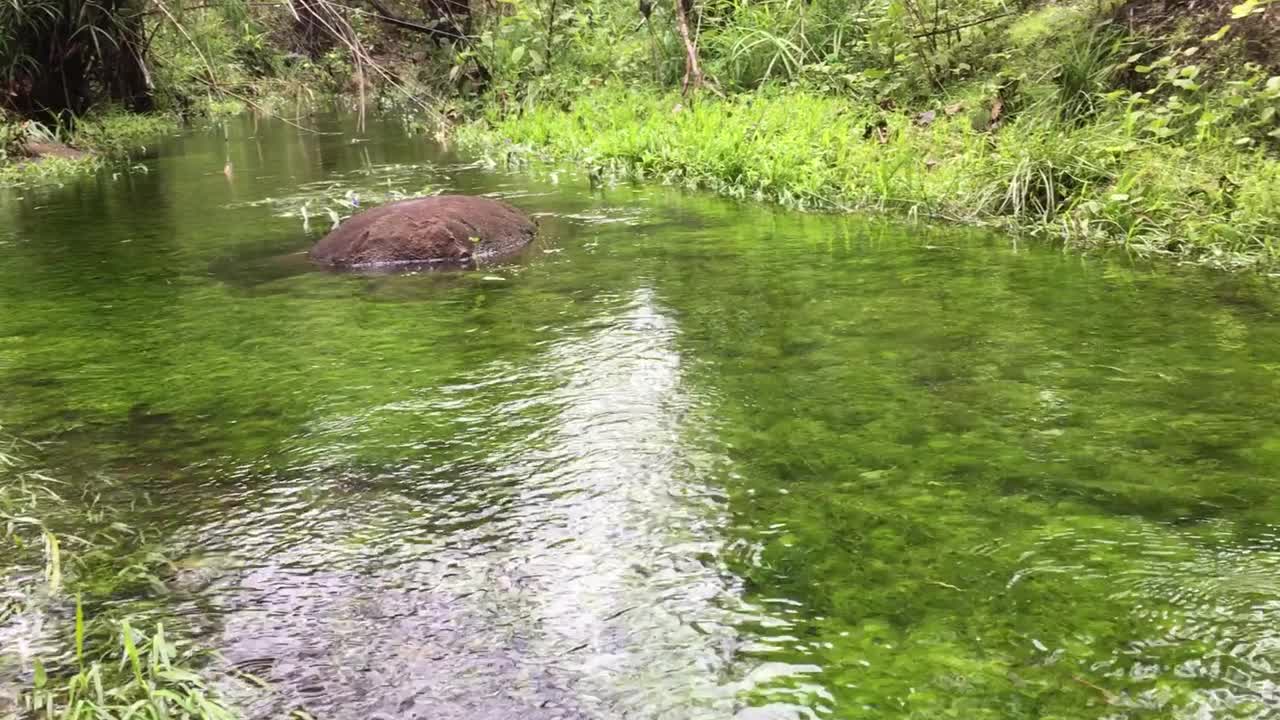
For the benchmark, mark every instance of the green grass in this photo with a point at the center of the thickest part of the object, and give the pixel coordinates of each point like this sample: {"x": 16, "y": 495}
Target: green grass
{"x": 120, "y": 134}
{"x": 45, "y": 171}
{"x": 1088, "y": 186}
{"x": 103, "y": 137}
{"x": 148, "y": 677}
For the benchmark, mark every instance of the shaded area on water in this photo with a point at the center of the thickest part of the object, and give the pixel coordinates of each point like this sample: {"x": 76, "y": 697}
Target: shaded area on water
{"x": 688, "y": 458}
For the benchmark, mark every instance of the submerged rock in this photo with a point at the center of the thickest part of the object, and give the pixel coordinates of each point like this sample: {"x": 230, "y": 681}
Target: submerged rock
{"x": 445, "y": 229}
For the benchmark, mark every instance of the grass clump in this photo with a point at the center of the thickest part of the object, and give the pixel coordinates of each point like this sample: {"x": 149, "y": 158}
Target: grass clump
{"x": 148, "y": 678}
{"x": 101, "y": 665}
{"x": 35, "y": 153}
{"x": 44, "y": 171}
{"x": 1094, "y": 184}
{"x": 119, "y": 134}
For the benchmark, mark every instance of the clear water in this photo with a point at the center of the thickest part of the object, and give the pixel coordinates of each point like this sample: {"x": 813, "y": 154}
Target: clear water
{"x": 687, "y": 459}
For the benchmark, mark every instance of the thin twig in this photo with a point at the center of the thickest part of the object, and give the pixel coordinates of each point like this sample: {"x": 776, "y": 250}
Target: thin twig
{"x": 962, "y": 26}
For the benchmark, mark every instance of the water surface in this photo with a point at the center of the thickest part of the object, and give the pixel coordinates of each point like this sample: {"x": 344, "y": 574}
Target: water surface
{"x": 686, "y": 459}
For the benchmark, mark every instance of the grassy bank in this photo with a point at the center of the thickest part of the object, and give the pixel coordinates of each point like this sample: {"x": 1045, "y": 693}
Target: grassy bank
{"x": 1096, "y": 184}
{"x": 33, "y": 153}
{"x": 68, "y": 649}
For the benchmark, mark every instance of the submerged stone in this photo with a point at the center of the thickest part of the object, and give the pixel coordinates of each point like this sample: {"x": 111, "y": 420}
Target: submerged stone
{"x": 444, "y": 229}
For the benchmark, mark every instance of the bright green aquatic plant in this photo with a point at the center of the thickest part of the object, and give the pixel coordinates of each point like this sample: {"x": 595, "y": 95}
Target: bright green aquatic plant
{"x": 148, "y": 677}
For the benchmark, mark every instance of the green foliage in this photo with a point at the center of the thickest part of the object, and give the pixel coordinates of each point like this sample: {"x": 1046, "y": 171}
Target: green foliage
{"x": 1086, "y": 73}
{"x": 118, "y": 133}
{"x": 237, "y": 45}
{"x": 50, "y": 170}
{"x": 1044, "y": 25}
{"x": 95, "y": 141}
{"x": 545, "y": 50}
{"x": 1093, "y": 185}
{"x": 1188, "y": 104}
{"x": 149, "y": 677}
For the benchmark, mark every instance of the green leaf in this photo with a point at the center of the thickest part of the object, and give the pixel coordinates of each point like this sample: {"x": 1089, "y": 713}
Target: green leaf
{"x": 79, "y": 632}
{"x": 178, "y": 675}
{"x": 1244, "y": 9}
{"x": 131, "y": 652}
{"x": 517, "y": 54}
{"x": 1222, "y": 32}
{"x": 1144, "y": 69}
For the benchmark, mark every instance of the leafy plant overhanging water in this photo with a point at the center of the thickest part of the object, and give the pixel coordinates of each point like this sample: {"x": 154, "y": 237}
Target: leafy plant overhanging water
{"x": 687, "y": 458}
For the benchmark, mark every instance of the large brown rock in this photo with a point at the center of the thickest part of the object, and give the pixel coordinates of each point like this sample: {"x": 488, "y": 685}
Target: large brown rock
{"x": 444, "y": 229}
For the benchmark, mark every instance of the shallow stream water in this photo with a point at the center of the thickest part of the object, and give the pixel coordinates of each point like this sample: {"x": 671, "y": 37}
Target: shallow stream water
{"x": 686, "y": 459}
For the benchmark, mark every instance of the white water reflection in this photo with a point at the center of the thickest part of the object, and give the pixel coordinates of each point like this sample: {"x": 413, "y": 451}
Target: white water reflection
{"x": 571, "y": 573}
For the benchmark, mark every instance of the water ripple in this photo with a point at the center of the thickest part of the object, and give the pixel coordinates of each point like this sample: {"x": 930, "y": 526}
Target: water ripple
{"x": 559, "y": 563}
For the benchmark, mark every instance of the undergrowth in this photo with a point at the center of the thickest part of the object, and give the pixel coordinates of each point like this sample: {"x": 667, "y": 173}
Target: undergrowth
{"x": 121, "y": 134}
{"x": 20, "y": 172}
{"x": 1089, "y": 185}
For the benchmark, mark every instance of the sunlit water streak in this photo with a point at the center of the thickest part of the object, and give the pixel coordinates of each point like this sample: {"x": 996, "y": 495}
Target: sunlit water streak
{"x": 572, "y": 573}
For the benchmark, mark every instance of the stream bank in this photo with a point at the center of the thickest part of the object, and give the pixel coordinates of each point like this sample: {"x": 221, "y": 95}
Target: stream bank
{"x": 1101, "y": 185}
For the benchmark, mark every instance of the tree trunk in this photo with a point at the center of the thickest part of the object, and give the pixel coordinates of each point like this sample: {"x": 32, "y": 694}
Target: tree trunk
{"x": 692, "y": 71}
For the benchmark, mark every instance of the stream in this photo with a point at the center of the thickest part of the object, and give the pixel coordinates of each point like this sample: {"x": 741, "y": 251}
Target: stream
{"x": 685, "y": 459}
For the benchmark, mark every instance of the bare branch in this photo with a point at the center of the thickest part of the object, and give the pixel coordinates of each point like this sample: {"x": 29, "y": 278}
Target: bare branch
{"x": 962, "y": 26}
{"x": 385, "y": 15}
